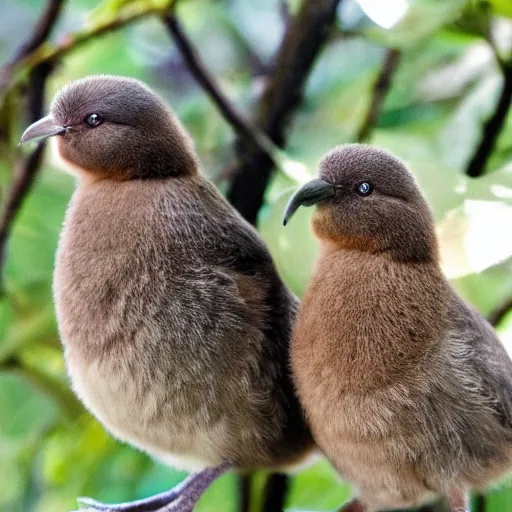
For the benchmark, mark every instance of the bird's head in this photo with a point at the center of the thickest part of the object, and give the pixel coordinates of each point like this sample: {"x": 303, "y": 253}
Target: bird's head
{"x": 115, "y": 127}
{"x": 368, "y": 200}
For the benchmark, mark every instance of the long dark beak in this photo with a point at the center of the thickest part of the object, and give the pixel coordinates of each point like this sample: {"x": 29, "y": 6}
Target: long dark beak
{"x": 42, "y": 129}
{"x": 309, "y": 194}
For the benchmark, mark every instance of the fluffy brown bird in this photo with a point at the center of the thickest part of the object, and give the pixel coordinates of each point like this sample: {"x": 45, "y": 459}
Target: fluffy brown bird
{"x": 175, "y": 323}
{"x": 407, "y": 388}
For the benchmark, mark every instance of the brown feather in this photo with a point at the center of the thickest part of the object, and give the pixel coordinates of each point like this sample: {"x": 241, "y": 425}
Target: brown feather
{"x": 407, "y": 388}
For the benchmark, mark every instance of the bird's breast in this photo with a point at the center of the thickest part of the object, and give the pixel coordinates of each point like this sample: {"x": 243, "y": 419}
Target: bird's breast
{"x": 366, "y": 321}
{"x": 123, "y": 305}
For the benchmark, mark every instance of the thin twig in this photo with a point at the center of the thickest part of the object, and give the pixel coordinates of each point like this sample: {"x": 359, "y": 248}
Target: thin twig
{"x": 492, "y": 127}
{"x": 380, "y": 90}
{"x": 40, "y": 33}
{"x": 284, "y": 11}
{"x": 26, "y": 167}
{"x": 242, "y": 127}
{"x": 48, "y": 53}
{"x": 303, "y": 40}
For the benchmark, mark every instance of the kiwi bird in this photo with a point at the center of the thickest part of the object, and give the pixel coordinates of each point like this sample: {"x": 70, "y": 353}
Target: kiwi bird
{"x": 175, "y": 323}
{"x": 407, "y": 389}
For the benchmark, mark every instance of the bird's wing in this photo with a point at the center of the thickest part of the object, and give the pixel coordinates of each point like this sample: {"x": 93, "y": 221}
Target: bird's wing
{"x": 242, "y": 253}
{"x": 485, "y": 357}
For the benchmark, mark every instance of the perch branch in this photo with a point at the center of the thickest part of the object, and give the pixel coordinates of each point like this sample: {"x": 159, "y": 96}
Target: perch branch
{"x": 242, "y": 127}
{"x": 305, "y": 35}
{"x": 380, "y": 90}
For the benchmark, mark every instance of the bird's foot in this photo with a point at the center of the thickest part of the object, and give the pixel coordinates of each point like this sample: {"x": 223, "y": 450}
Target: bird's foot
{"x": 353, "y": 506}
{"x": 181, "y": 498}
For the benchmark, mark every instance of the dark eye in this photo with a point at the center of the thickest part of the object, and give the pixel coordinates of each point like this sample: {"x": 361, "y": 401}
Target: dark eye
{"x": 365, "y": 188}
{"x": 93, "y": 120}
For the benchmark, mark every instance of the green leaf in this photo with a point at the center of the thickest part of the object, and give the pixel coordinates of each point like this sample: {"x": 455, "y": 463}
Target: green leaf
{"x": 503, "y": 7}
{"x": 25, "y": 413}
{"x": 293, "y": 247}
{"x": 318, "y": 488}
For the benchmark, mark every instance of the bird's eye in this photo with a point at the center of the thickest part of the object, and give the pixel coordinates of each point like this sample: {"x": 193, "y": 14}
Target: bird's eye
{"x": 365, "y": 188}
{"x": 93, "y": 120}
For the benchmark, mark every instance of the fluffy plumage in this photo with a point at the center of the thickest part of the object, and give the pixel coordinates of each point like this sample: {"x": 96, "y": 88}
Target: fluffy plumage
{"x": 174, "y": 320}
{"x": 407, "y": 388}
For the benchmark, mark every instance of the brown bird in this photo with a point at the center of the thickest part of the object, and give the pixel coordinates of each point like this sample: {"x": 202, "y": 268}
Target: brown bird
{"x": 407, "y": 389}
{"x": 175, "y": 323}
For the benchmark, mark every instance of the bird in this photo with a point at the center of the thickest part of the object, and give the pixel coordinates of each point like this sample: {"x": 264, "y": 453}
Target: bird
{"x": 174, "y": 321}
{"x": 407, "y": 389}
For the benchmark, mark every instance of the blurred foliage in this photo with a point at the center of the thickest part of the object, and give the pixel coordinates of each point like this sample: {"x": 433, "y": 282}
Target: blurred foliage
{"x": 445, "y": 87}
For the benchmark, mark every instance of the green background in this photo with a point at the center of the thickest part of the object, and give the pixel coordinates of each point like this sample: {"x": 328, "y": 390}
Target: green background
{"x": 445, "y": 87}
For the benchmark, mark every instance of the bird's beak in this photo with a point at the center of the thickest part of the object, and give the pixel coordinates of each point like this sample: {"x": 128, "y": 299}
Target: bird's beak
{"x": 42, "y": 129}
{"x": 309, "y": 194}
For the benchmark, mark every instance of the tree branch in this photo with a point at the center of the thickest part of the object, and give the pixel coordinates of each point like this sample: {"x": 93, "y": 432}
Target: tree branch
{"x": 493, "y": 126}
{"x": 49, "y": 54}
{"x": 275, "y": 492}
{"x": 41, "y": 31}
{"x": 380, "y": 90}
{"x": 302, "y": 42}
{"x": 241, "y": 126}
{"x": 27, "y": 167}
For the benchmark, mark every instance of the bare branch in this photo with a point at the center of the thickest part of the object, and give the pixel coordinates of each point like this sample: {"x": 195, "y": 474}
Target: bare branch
{"x": 50, "y": 54}
{"x": 303, "y": 40}
{"x": 380, "y": 90}
{"x": 41, "y": 31}
{"x": 284, "y": 11}
{"x": 242, "y": 127}
{"x": 492, "y": 127}
{"x": 26, "y": 167}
